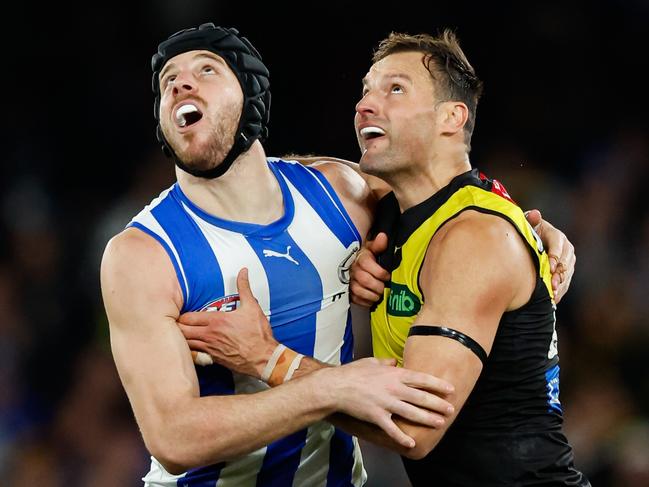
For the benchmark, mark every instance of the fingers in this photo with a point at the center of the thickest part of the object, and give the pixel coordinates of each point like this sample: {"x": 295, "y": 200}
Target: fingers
{"x": 194, "y": 318}
{"x": 533, "y": 217}
{"x": 431, "y": 403}
{"x": 386, "y": 423}
{"x": 558, "y": 275}
{"x": 198, "y": 346}
{"x": 366, "y": 261}
{"x": 554, "y": 261}
{"x": 366, "y": 280}
{"x": 421, "y": 380}
{"x": 243, "y": 287}
{"x": 565, "y": 270}
{"x": 556, "y": 243}
{"x": 418, "y": 415}
{"x": 364, "y": 296}
{"x": 366, "y": 303}
{"x": 386, "y": 361}
{"x": 568, "y": 257}
{"x": 379, "y": 244}
{"x": 191, "y": 332}
{"x": 368, "y": 277}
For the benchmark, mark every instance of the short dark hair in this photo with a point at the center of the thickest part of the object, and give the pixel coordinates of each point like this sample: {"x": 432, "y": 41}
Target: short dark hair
{"x": 453, "y": 76}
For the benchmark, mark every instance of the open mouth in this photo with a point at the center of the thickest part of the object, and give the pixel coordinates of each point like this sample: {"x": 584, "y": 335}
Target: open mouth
{"x": 188, "y": 115}
{"x": 369, "y": 133}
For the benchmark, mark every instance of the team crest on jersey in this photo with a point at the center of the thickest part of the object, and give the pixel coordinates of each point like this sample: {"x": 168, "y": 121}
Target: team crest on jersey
{"x": 225, "y": 303}
{"x": 345, "y": 266}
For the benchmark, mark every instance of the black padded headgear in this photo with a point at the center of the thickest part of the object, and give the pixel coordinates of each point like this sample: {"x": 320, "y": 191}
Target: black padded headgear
{"x": 244, "y": 60}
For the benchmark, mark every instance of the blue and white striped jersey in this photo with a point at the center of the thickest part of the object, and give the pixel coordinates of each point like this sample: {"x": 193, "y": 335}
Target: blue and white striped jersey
{"x": 299, "y": 272}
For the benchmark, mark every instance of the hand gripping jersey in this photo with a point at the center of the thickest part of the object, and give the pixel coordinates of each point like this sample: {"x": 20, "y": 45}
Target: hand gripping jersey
{"x": 299, "y": 272}
{"x": 509, "y": 430}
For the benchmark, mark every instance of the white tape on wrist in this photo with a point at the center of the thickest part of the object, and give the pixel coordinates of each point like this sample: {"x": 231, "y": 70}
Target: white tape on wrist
{"x": 203, "y": 359}
{"x": 272, "y": 362}
{"x": 294, "y": 366}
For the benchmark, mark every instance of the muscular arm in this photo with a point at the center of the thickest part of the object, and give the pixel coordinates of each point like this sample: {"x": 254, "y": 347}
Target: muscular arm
{"x": 476, "y": 268}
{"x": 373, "y": 391}
{"x": 181, "y": 429}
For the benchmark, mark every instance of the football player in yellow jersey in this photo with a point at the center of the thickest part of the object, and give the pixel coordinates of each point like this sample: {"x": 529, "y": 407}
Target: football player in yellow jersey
{"x": 470, "y": 297}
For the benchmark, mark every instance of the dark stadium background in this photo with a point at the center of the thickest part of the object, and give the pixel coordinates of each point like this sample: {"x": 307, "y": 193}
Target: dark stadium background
{"x": 562, "y": 124}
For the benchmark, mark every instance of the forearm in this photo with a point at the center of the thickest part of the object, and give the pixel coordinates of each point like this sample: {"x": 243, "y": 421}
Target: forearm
{"x": 208, "y": 430}
{"x": 356, "y": 427}
{"x": 309, "y": 365}
{"x": 284, "y": 364}
{"x": 367, "y": 431}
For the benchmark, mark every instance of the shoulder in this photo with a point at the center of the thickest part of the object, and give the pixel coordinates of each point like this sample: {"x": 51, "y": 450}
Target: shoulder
{"x": 474, "y": 230}
{"x": 342, "y": 177}
{"x": 135, "y": 264}
{"x": 477, "y": 250}
{"x": 353, "y": 191}
{"x": 327, "y": 165}
{"x": 131, "y": 245}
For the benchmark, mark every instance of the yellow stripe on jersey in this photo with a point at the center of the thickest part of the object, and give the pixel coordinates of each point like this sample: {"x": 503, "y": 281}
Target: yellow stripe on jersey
{"x": 392, "y": 318}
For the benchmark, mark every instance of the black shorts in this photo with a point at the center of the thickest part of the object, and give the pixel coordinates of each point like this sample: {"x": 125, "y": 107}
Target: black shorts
{"x": 498, "y": 460}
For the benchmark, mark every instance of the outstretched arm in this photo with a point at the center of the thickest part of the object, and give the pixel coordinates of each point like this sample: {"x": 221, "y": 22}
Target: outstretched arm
{"x": 242, "y": 341}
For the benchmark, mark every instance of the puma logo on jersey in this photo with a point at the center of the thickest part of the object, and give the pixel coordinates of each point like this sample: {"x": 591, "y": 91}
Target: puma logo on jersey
{"x": 287, "y": 256}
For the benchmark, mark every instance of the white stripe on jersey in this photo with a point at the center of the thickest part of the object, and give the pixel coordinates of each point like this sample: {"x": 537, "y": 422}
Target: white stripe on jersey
{"x": 314, "y": 462}
{"x": 235, "y": 252}
{"x": 333, "y": 202}
{"x": 243, "y": 471}
{"x": 321, "y": 245}
{"x": 359, "y": 475}
{"x": 315, "y": 239}
{"x": 146, "y": 218}
{"x": 150, "y": 222}
{"x": 159, "y": 477}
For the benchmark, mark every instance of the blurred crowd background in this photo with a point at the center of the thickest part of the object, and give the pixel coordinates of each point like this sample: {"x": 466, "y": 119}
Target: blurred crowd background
{"x": 562, "y": 124}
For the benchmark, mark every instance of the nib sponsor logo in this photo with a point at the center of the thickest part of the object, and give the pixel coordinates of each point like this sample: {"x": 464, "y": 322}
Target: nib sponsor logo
{"x": 402, "y": 301}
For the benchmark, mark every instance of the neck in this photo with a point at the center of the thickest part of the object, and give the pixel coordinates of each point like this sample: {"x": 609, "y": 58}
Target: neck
{"x": 247, "y": 192}
{"x": 415, "y": 186}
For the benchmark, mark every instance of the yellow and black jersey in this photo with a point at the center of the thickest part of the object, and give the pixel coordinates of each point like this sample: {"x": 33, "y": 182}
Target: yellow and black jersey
{"x": 509, "y": 430}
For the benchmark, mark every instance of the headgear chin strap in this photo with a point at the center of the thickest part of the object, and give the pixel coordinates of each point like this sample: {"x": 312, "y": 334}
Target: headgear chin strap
{"x": 244, "y": 60}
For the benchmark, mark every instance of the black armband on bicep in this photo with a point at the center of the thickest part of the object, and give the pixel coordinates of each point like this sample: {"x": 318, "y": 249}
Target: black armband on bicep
{"x": 465, "y": 340}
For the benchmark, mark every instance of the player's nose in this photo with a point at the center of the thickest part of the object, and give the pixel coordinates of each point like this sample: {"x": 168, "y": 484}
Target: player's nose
{"x": 184, "y": 84}
{"x": 367, "y": 105}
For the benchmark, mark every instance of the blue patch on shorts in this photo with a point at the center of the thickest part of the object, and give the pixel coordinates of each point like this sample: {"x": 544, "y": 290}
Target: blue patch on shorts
{"x": 552, "y": 386}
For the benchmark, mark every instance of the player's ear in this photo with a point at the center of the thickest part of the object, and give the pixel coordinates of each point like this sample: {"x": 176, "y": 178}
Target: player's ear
{"x": 452, "y": 117}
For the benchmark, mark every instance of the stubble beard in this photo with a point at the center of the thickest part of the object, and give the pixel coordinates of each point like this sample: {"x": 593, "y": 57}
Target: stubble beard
{"x": 208, "y": 154}
{"x": 376, "y": 165}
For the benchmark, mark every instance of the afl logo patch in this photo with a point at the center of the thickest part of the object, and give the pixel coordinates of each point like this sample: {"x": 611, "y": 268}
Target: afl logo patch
{"x": 226, "y": 303}
{"x": 345, "y": 266}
